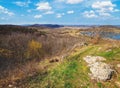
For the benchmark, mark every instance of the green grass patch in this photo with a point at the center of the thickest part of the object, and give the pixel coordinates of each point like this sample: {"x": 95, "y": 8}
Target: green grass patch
{"x": 73, "y": 71}
{"x": 113, "y": 54}
{"x": 100, "y": 85}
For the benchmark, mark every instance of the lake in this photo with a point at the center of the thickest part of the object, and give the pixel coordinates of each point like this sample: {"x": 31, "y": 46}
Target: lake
{"x": 110, "y": 35}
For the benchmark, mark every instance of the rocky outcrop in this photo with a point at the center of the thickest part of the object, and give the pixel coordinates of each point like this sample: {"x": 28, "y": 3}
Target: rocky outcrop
{"x": 99, "y": 70}
{"x": 92, "y": 59}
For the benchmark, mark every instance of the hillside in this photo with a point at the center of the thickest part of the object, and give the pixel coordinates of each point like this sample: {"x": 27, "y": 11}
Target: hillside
{"x": 73, "y": 71}
{"x": 47, "y": 58}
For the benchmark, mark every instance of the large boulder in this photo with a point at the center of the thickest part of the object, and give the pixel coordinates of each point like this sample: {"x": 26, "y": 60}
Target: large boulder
{"x": 99, "y": 70}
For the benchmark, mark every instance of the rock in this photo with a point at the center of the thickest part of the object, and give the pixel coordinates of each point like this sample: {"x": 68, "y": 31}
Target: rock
{"x": 117, "y": 83}
{"x": 84, "y": 44}
{"x": 99, "y": 70}
{"x": 118, "y": 65}
{"x": 55, "y": 59}
{"x": 109, "y": 50}
{"x": 92, "y": 59}
{"x": 10, "y": 86}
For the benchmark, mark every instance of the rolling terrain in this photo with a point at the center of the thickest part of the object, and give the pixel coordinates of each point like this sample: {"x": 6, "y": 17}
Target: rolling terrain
{"x": 53, "y": 57}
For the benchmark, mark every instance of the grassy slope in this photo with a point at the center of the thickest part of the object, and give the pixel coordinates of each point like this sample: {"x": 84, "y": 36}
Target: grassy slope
{"x": 73, "y": 71}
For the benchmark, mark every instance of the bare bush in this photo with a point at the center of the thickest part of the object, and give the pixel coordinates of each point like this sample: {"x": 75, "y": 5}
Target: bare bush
{"x": 26, "y": 48}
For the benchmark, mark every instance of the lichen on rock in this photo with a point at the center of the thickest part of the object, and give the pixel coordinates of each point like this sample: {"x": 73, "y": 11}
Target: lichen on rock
{"x": 99, "y": 70}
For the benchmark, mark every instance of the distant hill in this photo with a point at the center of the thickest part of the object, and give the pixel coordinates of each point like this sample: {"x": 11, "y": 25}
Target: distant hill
{"x": 109, "y": 26}
{"x": 7, "y": 29}
{"x": 46, "y": 25}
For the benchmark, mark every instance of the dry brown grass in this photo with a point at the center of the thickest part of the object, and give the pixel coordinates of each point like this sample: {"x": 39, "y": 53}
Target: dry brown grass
{"x": 18, "y": 66}
{"x": 20, "y": 53}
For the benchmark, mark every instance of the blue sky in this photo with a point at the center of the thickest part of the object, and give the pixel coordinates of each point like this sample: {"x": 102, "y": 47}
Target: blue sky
{"x": 75, "y": 12}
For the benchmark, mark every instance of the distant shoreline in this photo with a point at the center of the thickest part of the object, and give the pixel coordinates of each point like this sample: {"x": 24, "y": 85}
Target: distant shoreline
{"x": 59, "y": 25}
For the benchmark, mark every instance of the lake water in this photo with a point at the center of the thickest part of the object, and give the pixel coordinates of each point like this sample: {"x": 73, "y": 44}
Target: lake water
{"x": 111, "y": 35}
{"x": 116, "y": 36}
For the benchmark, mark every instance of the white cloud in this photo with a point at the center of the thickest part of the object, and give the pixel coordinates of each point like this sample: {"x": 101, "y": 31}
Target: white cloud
{"x": 104, "y": 8}
{"x": 29, "y": 10}
{"x": 4, "y": 10}
{"x": 49, "y": 12}
{"x": 74, "y": 1}
{"x": 116, "y": 10}
{"x": 104, "y": 14}
{"x": 59, "y": 15}
{"x": 22, "y": 15}
{"x": 3, "y": 18}
{"x": 63, "y": 13}
{"x": 22, "y": 4}
{"x": 70, "y": 1}
{"x": 90, "y": 14}
{"x": 38, "y": 16}
{"x": 41, "y": 6}
{"x": 60, "y": 0}
{"x": 103, "y": 5}
{"x": 70, "y": 12}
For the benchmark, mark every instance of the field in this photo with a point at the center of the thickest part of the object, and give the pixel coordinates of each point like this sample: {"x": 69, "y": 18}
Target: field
{"x": 43, "y": 57}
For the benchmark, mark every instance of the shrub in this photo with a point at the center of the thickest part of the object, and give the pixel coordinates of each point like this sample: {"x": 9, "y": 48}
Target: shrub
{"x": 33, "y": 50}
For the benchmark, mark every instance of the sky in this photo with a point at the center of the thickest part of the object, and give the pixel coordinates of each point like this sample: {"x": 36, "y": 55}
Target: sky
{"x": 67, "y": 12}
